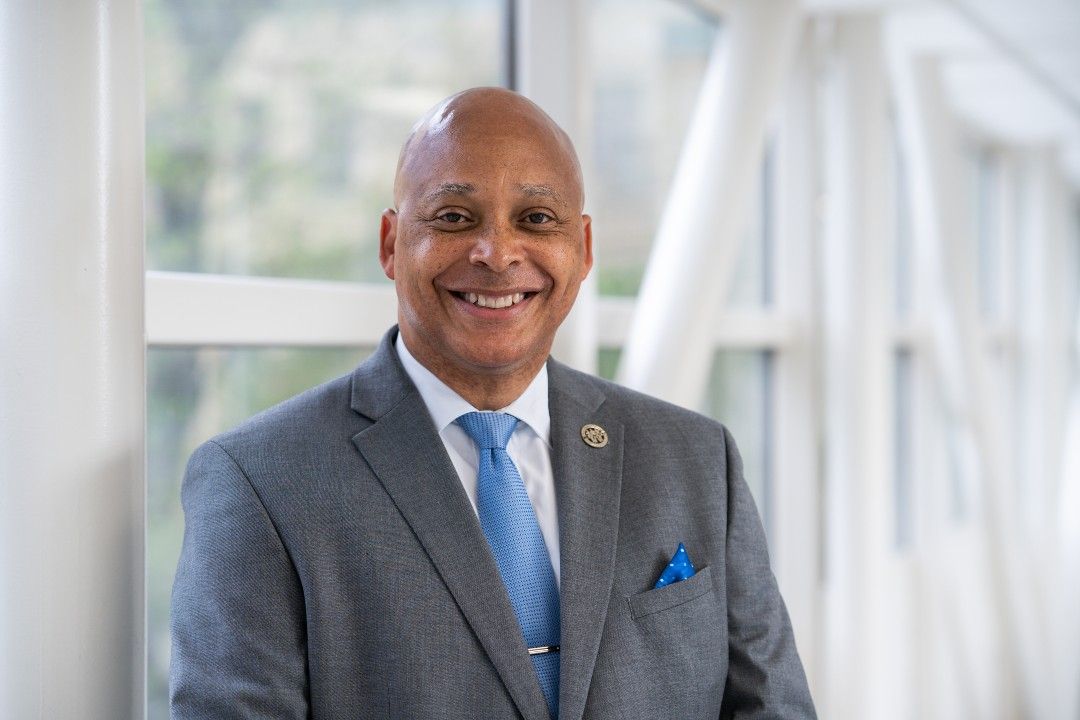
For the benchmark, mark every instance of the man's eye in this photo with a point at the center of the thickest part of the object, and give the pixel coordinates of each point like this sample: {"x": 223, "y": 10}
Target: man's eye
{"x": 452, "y": 217}
{"x": 538, "y": 218}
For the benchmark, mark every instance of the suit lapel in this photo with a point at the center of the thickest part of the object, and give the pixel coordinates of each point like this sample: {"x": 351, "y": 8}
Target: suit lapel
{"x": 405, "y": 452}
{"x": 587, "y": 482}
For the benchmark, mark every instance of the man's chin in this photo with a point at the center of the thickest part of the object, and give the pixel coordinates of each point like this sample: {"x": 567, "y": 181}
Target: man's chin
{"x": 497, "y": 364}
{"x": 480, "y": 352}
{"x": 501, "y": 361}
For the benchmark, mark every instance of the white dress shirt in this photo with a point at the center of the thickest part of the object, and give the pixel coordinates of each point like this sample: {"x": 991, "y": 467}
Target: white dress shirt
{"x": 529, "y": 446}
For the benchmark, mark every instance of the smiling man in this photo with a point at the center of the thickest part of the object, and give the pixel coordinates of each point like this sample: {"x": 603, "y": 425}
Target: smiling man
{"x": 463, "y": 527}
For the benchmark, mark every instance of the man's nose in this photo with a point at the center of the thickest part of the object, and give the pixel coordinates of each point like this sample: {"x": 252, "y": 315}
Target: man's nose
{"x": 498, "y": 247}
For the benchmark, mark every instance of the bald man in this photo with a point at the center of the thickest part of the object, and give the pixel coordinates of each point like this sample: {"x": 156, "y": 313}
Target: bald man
{"x": 463, "y": 527}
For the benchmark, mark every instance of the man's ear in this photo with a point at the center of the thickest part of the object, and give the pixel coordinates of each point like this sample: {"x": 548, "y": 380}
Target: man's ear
{"x": 586, "y": 227}
{"x": 387, "y": 238}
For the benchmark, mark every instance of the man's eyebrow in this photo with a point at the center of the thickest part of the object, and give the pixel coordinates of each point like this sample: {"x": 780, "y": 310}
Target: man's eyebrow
{"x": 450, "y": 188}
{"x": 540, "y": 191}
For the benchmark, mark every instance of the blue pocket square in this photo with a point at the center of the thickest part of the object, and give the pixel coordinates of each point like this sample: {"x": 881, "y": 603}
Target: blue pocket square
{"x": 680, "y": 568}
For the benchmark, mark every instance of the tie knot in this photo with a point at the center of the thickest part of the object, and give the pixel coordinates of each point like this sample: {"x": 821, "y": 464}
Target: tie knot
{"x": 488, "y": 429}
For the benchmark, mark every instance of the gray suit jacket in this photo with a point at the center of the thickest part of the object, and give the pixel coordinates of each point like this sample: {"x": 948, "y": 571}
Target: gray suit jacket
{"x": 333, "y": 567}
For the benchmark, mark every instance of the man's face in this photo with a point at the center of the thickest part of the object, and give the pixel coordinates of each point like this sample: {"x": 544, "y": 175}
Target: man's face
{"x": 488, "y": 245}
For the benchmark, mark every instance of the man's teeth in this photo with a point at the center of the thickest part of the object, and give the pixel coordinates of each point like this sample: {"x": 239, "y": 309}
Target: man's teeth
{"x": 491, "y": 301}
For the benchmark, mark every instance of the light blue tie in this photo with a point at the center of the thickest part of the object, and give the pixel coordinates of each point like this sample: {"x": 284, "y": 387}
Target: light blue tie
{"x": 509, "y": 523}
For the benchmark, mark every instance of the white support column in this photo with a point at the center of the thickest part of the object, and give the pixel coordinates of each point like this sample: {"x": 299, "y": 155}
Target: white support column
{"x": 932, "y": 146}
{"x": 795, "y": 533}
{"x": 1068, "y": 510}
{"x": 856, "y": 313}
{"x": 1044, "y": 328}
{"x": 1044, "y": 339}
{"x": 551, "y": 71}
{"x": 1006, "y": 205}
{"x": 668, "y": 352}
{"x": 72, "y": 362}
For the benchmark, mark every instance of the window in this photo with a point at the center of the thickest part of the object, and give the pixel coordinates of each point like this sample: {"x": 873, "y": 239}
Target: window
{"x": 273, "y": 128}
{"x": 272, "y": 136}
{"x": 646, "y": 61}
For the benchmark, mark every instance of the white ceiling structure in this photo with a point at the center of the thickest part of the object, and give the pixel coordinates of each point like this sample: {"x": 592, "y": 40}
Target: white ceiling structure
{"x": 1012, "y": 67}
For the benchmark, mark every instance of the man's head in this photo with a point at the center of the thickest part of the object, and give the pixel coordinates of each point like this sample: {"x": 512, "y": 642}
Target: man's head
{"x": 487, "y": 243}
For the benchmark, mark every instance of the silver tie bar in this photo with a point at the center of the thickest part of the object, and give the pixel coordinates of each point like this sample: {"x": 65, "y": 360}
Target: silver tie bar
{"x": 543, "y": 649}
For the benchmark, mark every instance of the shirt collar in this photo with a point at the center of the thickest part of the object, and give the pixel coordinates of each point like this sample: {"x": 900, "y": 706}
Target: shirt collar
{"x": 446, "y": 406}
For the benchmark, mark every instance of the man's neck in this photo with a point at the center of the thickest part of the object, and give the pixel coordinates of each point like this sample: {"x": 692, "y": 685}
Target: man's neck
{"x": 485, "y": 393}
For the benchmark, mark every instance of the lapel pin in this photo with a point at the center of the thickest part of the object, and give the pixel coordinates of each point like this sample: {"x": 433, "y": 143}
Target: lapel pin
{"x": 594, "y": 435}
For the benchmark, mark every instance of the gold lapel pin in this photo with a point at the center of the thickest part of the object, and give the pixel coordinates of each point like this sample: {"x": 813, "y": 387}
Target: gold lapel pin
{"x": 594, "y": 435}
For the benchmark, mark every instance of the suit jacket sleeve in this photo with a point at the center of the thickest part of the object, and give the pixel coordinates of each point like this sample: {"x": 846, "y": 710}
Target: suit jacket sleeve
{"x": 238, "y": 643}
{"x": 765, "y": 677}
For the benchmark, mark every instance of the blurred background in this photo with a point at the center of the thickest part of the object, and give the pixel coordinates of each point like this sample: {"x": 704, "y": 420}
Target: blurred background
{"x": 848, "y": 229}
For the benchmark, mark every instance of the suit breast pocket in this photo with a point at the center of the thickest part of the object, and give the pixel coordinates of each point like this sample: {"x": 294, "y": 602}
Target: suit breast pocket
{"x": 671, "y": 644}
{"x": 658, "y": 600}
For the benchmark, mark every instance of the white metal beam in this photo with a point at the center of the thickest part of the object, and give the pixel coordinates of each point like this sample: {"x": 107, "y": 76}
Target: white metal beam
{"x": 186, "y": 309}
{"x": 1043, "y": 327}
{"x": 738, "y": 329}
{"x": 796, "y": 530}
{"x": 1045, "y": 341}
{"x": 551, "y": 71}
{"x": 1069, "y": 497}
{"x": 856, "y": 313}
{"x": 72, "y": 363}
{"x": 203, "y": 309}
{"x": 972, "y": 407}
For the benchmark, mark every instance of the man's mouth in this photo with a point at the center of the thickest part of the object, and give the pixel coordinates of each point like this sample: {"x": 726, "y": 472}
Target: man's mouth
{"x": 493, "y": 301}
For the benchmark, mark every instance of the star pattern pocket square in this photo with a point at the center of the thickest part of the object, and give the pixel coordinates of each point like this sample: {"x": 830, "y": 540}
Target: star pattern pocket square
{"x": 680, "y": 568}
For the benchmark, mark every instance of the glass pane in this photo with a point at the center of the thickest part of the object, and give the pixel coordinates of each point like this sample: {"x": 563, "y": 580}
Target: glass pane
{"x": 1073, "y": 272}
{"x": 903, "y": 248}
{"x": 988, "y": 233}
{"x": 607, "y": 362}
{"x": 647, "y": 59}
{"x": 194, "y": 394}
{"x": 903, "y": 445}
{"x": 751, "y": 284}
{"x": 740, "y": 396}
{"x": 273, "y": 128}
{"x": 969, "y": 241}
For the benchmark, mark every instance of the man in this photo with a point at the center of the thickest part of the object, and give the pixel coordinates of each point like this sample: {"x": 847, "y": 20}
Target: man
{"x": 378, "y": 547}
